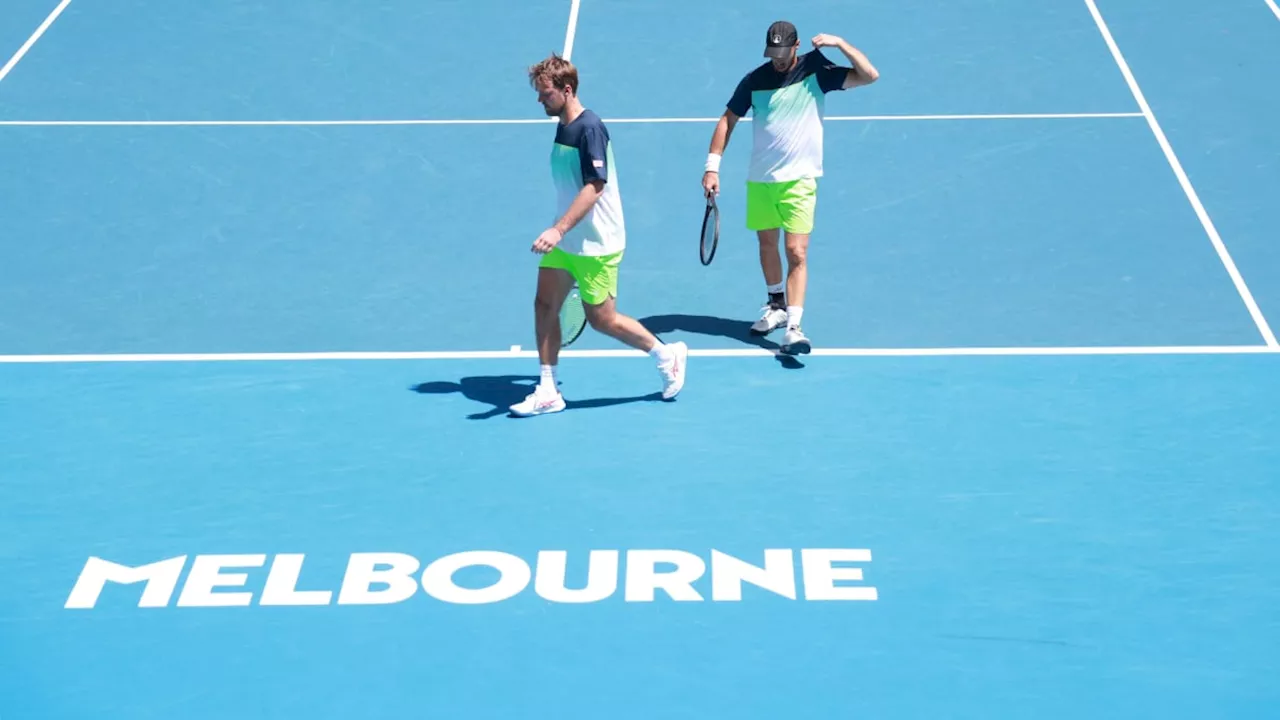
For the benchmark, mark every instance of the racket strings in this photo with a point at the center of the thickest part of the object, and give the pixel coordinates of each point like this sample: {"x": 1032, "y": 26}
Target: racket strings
{"x": 573, "y": 318}
{"x": 710, "y": 231}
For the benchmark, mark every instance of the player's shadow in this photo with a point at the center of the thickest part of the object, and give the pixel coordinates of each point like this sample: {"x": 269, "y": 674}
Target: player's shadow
{"x": 503, "y": 391}
{"x": 739, "y": 330}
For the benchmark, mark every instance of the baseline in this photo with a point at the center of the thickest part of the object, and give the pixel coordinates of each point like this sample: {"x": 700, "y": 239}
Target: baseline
{"x": 708, "y": 352}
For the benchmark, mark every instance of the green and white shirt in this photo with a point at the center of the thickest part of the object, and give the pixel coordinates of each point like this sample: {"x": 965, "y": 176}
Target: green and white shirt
{"x": 583, "y": 152}
{"x": 788, "y": 109}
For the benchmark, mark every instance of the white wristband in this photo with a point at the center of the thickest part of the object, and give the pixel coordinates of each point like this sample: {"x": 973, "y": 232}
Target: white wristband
{"x": 713, "y": 163}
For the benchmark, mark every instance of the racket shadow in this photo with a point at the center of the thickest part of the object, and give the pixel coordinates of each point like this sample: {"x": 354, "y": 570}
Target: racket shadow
{"x": 739, "y": 330}
{"x": 502, "y": 391}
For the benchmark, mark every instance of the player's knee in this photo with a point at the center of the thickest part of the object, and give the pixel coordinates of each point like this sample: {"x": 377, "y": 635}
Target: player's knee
{"x": 542, "y": 306}
{"x": 602, "y": 318}
{"x": 797, "y": 251}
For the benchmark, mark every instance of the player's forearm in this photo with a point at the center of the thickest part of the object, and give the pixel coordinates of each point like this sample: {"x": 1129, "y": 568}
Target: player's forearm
{"x": 720, "y": 138}
{"x": 578, "y": 209}
{"x": 866, "y": 71}
{"x": 719, "y": 141}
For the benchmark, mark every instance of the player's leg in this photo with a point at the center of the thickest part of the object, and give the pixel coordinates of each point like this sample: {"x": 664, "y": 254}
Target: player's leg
{"x": 794, "y": 340}
{"x": 598, "y": 283}
{"x": 554, "y": 283}
{"x": 797, "y": 245}
{"x": 553, "y": 287}
{"x": 763, "y": 218}
{"x": 797, "y": 203}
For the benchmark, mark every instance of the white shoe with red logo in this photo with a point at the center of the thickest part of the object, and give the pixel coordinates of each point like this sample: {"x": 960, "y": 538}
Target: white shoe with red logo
{"x": 541, "y": 401}
{"x": 673, "y": 369}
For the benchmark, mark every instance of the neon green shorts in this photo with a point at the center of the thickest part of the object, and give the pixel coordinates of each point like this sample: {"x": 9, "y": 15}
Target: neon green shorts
{"x": 787, "y": 205}
{"x": 597, "y": 276}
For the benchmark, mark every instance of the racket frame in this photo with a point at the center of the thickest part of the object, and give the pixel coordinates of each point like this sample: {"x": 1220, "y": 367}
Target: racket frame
{"x": 712, "y": 214}
{"x": 572, "y": 296}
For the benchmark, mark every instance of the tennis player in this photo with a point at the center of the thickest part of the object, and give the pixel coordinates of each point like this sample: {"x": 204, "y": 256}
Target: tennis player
{"x": 786, "y": 95}
{"x": 586, "y": 243}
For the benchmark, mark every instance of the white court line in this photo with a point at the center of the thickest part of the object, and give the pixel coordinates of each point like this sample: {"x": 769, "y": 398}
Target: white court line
{"x": 26, "y": 47}
{"x": 712, "y": 352}
{"x": 875, "y": 118}
{"x": 573, "y": 30}
{"x": 1274, "y": 8}
{"x": 537, "y": 121}
{"x": 1190, "y": 191}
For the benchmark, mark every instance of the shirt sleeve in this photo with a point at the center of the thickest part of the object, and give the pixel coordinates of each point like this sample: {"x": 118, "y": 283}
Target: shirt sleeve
{"x": 831, "y": 76}
{"x": 740, "y": 103}
{"x": 593, "y": 152}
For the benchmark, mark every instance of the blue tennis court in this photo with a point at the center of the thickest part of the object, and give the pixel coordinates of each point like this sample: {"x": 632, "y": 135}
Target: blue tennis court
{"x": 266, "y": 294}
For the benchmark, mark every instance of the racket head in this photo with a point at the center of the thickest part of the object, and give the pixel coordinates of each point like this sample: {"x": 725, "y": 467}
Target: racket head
{"x": 710, "y": 231}
{"x": 573, "y": 317}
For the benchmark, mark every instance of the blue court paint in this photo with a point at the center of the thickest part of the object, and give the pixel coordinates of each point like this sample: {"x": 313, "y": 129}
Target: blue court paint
{"x": 1220, "y": 118}
{"x": 940, "y": 234}
{"x": 151, "y": 59}
{"x": 1068, "y": 534}
{"x": 283, "y": 238}
{"x": 1077, "y": 536}
{"x": 318, "y": 239}
{"x": 969, "y": 56}
{"x": 17, "y": 23}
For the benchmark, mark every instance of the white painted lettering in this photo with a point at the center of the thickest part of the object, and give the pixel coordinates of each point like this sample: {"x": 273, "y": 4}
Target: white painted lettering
{"x": 820, "y": 576}
{"x": 363, "y": 571}
{"x": 206, "y": 574}
{"x": 602, "y": 577}
{"x": 282, "y": 584}
{"x": 514, "y": 576}
{"x": 643, "y": 579}
{"x": 161, "y": 580}
{"x": 728, "y": 573}
{"x": 382, "y": 578}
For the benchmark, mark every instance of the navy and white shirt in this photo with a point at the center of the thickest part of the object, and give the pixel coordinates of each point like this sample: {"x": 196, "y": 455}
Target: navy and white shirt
{"x": 788, "y": 109}
{"x": 583, "y": 152}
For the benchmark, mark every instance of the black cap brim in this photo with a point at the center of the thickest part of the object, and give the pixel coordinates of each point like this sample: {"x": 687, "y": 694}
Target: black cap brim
{"x": 776, "y": 52}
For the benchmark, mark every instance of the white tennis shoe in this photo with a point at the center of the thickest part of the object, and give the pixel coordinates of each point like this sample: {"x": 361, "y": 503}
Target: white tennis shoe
{"x": 794, "y": 342}
{"x": 541, "y": 401}
{"x": 771, "y": 318}
{"x": 673, "y": 369}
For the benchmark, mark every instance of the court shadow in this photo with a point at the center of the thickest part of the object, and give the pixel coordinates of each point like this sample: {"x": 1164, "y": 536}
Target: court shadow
{"x": 739, "y": 330}
{"x": 503, "y": 391}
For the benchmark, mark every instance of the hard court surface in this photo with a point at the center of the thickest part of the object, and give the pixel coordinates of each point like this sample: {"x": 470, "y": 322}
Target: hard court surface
{"x": 266, "y": 293}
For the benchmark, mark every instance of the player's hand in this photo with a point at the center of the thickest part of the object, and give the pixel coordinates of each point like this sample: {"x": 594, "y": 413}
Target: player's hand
{"x": 825, "y": 40}
{"x": 547, "y": 240}
{"x": 711, "y": 183}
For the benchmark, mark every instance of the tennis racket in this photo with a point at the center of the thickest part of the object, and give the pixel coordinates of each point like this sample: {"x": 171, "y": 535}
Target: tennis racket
{"x": 573, "y": 317}
{"x": 710, "y": 230}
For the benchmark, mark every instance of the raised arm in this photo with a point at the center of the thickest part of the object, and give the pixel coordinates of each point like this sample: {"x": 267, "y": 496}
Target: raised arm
{"x": 862, "y": 72}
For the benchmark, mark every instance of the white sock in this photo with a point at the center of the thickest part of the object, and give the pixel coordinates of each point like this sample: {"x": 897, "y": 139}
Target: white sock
{"x": 775, "y": 289}
{"x": 549, "y": 377}
{"x": 660, "y": 351}
{"x": 793, "y": 315}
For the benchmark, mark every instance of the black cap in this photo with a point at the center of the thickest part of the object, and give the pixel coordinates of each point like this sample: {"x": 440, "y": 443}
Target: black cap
{"x": 780, "y": 39}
